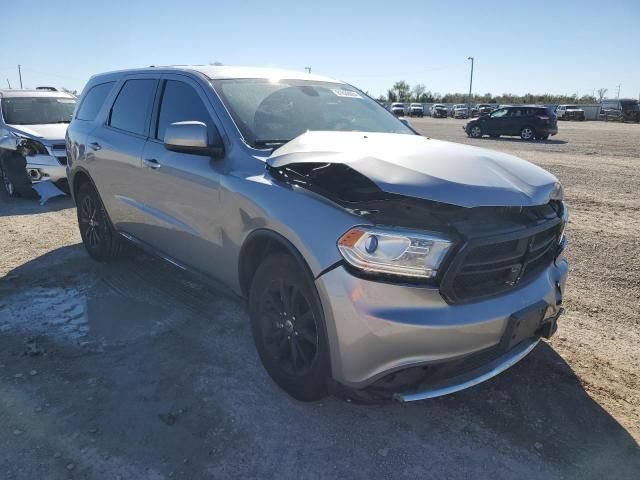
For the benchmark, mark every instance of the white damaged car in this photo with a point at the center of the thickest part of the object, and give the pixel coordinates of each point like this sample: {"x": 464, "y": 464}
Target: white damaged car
{"x": 33, "y": 124}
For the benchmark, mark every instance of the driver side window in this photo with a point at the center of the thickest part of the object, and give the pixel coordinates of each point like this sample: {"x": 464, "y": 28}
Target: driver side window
{"x": 181, "y": 103}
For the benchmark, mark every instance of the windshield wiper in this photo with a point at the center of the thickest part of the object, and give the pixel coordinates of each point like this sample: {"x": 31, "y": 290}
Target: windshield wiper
{"x": 63, "y": 121}
{"x": 270, "y": 143}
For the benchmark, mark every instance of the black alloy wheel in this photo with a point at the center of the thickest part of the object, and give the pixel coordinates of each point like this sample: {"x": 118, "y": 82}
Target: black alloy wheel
{"x": 288, "y": 328}
{"x": 100, "y": 239}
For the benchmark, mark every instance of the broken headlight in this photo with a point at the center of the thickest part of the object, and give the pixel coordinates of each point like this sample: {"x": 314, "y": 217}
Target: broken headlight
{"x": 28, "y": 147}
{"x": 393, "y": 252}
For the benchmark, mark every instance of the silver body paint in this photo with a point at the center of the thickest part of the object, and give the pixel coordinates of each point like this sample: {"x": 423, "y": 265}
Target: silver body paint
{"x": 200, "y": 211}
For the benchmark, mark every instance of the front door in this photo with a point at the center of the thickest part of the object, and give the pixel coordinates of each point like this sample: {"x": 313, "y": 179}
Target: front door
{"x": 495, "y": 123}
{"x": 181, "y": 190}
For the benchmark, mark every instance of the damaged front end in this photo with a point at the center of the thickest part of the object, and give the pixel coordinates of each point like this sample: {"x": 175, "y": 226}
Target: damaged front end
{"x": 26, "y": 162}
{"x": 495, "y": 249}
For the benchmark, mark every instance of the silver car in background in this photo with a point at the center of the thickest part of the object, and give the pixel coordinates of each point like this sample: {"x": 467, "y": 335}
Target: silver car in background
{"x": 32, "y": 132}
{"x": 376, "y": 262}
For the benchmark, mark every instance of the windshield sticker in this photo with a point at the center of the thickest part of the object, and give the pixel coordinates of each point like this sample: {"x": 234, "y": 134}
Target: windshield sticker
{"x": 338, "y": 92}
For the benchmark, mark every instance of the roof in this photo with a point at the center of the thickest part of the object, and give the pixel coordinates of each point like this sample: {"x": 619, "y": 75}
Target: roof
{"x": 11, "y": 93}
{"x": 215, "y": 72}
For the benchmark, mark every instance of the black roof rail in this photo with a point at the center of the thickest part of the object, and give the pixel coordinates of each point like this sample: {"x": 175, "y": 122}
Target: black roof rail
{"x": 50, "y": 89}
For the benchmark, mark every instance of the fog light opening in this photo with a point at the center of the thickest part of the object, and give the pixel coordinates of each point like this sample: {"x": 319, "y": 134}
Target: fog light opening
{"x": 34, "y": 174}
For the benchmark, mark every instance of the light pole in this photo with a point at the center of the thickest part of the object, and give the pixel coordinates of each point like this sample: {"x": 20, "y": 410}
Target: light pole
{"x": 308, "y": 69}
{"x": 470, "y": 87}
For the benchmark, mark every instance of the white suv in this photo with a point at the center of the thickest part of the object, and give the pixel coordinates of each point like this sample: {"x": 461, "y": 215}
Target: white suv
{"x": 32, "y": 147}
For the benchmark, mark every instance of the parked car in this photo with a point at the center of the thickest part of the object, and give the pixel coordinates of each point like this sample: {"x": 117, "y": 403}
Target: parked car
{"x": 527, "y": 122}
{"x": 484, "y": 108}
{"x": 398, "y": 109}
{"x": 438, "y": 110}
{"x": 416, "y": 110}
{"x": 620, "y": 110}
{"x": 305, "y": 197}
{"x": 569, "y": 112}
{"x": 32, "y": 147}
{"x": 460, "y": 111}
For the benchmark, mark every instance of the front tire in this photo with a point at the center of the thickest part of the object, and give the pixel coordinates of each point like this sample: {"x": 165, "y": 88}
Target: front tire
{"x": 288, "y": 328}
{"x": 7, "y": 184}
{"x": 527, "y": 134}
{"x": 100, "y": 239}
{"x": 475, "y": 131}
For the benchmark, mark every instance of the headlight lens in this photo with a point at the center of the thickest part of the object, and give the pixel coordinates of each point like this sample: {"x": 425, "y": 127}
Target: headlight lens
{"x": 393, "y": 252}
{"x": 557, "y": 193}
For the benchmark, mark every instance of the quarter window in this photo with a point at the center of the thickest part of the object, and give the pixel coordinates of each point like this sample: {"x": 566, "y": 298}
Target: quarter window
{"x": 93, "y": 100}
{"x": 131, "y": 109}
{"x": 180, "y": 103}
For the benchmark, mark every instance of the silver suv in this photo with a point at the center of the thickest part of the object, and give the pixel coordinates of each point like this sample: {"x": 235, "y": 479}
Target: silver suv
{"x": 375, "y": 261}
{"x": 32, "y": 132}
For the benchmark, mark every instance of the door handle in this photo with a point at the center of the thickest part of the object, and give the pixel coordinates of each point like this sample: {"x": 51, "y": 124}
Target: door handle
{"x": 151, "y": 163}
{"x": 95, "y": 146}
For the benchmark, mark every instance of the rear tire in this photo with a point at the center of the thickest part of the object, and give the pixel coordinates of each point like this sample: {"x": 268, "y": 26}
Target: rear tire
{"x": 288, "y": 328}
{"x": 100, "y": 239}
{"x": 527, "y": 134}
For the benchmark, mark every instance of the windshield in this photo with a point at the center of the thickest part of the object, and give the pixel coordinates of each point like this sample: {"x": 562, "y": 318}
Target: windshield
{"x": 37, "y": 110}
{"x": 571, "y": 107}
{"x": 271, "y": 113}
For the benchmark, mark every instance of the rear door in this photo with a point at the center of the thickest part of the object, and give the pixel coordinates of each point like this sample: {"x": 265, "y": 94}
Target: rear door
{"x": 182, "y": 190}
{"x": 116, "y": 148}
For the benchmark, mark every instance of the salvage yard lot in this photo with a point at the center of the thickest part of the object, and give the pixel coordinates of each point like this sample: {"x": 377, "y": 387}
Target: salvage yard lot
{"x": 135, "y": 369}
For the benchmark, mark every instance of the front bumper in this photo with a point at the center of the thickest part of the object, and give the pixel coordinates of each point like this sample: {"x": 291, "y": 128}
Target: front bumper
{"x": 45, "y": 167}
{"x": 377, "y": 328}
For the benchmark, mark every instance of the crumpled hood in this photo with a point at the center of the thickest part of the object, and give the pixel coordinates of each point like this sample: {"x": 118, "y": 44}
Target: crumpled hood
{"x": 50, "y": 131}
{"x": 416, "y": 166}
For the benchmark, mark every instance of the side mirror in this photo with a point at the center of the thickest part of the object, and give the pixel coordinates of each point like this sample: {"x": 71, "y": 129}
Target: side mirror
{"x": 191, "y": 137}
{"x": 405, "y": 121}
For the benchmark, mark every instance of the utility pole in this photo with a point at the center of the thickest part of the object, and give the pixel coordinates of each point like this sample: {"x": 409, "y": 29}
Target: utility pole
{"x": 470, "y": 87}
{"x": 618, "y": 95}
{"x": 308, "y": 69}
{"x": 20, "y": 75}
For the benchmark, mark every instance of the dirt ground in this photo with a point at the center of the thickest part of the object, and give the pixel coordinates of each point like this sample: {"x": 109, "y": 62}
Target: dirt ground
{"x": 135, "y": 370}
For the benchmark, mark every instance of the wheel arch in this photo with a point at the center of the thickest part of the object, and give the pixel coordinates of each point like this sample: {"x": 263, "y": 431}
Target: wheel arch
{"x": 257, "y": 246}
{"x": 79, "y": 177}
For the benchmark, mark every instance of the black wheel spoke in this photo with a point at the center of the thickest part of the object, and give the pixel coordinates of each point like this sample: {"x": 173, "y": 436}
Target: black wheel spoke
{"x": 306, "y": 361}
{"x": 294, "y": 357}
{"x": 305, "y": 319}
{"x": 307, "y": 336}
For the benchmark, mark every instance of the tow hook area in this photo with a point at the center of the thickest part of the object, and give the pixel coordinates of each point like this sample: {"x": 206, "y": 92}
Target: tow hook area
{"x": 550, "y": 324}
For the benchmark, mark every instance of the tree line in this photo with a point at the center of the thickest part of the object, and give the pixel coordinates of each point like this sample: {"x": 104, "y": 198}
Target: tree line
{"x": 403, "y": 92}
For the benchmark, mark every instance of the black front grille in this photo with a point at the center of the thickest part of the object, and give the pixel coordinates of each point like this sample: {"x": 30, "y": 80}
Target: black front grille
{"x": 59, "y": 146}
{"x": 62, "y": 160}
{"x": 489, "y": 266}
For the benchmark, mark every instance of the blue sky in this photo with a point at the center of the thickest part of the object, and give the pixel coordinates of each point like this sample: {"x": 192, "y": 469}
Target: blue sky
{"x": 538, "y": 46}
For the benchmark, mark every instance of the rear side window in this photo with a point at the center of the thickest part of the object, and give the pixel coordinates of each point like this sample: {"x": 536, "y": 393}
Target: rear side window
{"x": 131, "y": 109}
{"x": 180, "y": 103}
{"x": 93, "y": 100}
